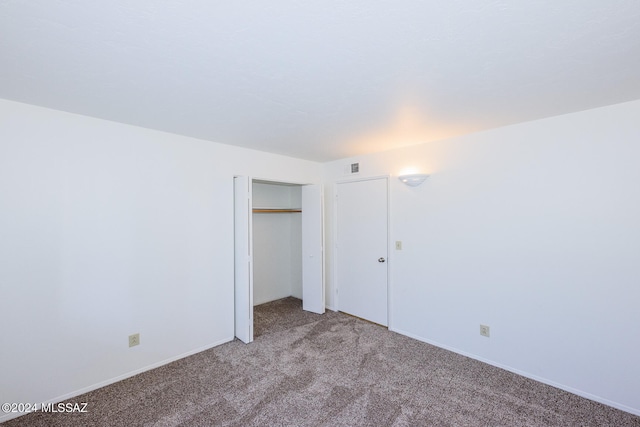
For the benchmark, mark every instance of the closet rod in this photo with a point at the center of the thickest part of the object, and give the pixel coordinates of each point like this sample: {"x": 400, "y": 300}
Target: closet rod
{"x": 260, "y": 210}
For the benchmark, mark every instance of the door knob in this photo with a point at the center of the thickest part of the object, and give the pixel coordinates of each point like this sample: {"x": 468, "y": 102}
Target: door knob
{"x": 381, "y": 259}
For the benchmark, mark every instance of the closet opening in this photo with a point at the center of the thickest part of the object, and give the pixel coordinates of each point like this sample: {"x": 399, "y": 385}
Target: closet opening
{"x": 279, "y": 226}
{"x": 277, "y": 253}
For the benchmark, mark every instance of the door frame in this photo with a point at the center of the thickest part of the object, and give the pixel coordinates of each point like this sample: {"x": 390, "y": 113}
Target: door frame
{"x": 334, "y": 236}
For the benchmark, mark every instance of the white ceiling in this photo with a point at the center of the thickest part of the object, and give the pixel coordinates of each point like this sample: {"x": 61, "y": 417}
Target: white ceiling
{"x": 320, "y": 80}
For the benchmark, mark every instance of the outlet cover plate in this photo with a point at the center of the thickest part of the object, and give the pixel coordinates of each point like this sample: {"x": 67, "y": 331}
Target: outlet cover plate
{"x": 134, "y": 340}
{"x": 484, "y": 331}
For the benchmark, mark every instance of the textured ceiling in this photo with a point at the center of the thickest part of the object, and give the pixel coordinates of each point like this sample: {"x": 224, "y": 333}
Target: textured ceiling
{"x": 320, "y": 80}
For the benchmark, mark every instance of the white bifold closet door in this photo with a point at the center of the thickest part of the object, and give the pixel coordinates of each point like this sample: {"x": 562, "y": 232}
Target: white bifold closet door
{"x": 243, "y": 258}
{"x": 312, "y": 250}
{"x": 313, "y": 293}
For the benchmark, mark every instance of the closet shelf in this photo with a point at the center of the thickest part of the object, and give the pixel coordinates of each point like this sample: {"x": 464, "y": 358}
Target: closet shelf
{"x": 276, "y": 210}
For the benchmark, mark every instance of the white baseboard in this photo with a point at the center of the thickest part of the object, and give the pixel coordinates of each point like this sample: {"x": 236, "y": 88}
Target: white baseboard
{"x": 9, "y": 416}
{"x": 634, "y": 411}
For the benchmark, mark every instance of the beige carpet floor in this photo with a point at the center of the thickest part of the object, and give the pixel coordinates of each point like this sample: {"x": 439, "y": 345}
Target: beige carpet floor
{"x": 329, "y": 370}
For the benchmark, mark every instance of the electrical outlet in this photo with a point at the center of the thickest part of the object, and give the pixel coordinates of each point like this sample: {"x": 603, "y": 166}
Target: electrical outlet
{"x": 134, "y": 340}
{"x": 484, "y": 331}
{"x": 398, "y": 245}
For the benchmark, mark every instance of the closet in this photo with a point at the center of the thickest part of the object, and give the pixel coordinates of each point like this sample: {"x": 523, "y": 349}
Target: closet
{"x": 277, "y": 241}
{"x": 278, "y": 250}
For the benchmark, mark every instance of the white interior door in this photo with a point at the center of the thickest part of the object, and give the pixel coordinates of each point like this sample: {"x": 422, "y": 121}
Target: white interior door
{"x": 312, "y": 250}
{"x": 243, "y": 262}
{"x": 362, "y": 245}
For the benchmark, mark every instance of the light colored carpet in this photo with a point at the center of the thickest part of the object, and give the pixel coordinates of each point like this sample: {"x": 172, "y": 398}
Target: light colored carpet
{"x": 330, "y": 370}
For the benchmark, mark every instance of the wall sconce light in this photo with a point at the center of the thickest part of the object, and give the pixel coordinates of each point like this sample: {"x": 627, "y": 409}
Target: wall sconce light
{"x": 414, "y": 179}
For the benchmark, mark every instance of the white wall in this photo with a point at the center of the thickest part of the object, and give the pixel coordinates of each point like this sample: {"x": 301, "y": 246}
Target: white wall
{"x": 532, "y": 229}
{"x": 108, "y": 230}
{"x": 277, "y": 244}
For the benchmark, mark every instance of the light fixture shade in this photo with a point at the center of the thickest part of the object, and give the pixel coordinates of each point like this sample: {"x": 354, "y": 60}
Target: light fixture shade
{"x": 414, "y": 179}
